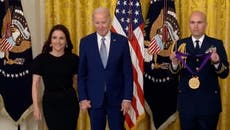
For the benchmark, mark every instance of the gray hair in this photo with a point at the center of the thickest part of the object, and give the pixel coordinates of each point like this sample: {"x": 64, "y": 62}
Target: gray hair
{"x": 101, "y": 10}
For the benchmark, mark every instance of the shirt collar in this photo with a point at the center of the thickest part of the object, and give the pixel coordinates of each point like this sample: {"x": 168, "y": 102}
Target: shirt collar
{"x": 107, "y": 36}
{"x": 201, "y": 39}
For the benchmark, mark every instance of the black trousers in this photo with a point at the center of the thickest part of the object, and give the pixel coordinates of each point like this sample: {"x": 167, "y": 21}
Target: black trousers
{"x": 198, "y": 122}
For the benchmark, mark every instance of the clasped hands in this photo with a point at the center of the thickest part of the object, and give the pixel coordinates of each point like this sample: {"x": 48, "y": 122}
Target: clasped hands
{"x": 86, "y": 104}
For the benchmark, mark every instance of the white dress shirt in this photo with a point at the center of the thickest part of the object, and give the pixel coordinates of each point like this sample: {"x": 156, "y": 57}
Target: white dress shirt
{"x": 107, "y": 42}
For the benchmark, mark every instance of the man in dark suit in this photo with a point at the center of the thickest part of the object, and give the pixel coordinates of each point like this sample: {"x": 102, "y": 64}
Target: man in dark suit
{"x": 105, "y": 83}
{"x": 205, "y": 59}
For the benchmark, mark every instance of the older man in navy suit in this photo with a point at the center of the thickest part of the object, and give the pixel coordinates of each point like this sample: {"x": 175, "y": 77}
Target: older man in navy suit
{"x": 105, "y": 84}
{"x": 203, "y": 61}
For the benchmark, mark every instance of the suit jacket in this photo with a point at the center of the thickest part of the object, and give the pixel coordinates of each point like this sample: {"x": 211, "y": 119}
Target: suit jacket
{"x": 206, "y": 99}
{"x": 93, "y": 77}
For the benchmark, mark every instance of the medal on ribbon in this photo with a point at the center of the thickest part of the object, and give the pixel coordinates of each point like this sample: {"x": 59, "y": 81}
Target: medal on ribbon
{"x": 194, "y": 82}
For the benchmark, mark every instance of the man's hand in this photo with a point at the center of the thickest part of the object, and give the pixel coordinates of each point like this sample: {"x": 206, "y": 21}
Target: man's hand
{"x": 173, "y": 58}
{"x": 215, "y": 57}
{"x": 125, "y": 106}
{"x": 85, "y": 105}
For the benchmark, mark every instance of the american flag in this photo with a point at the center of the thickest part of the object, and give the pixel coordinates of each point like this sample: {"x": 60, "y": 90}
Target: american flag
{"x": 128, "y": 21}
{"x": 155, "y": 45}
{"x": 6, "y": 44}
{"x": 7, "y": 41}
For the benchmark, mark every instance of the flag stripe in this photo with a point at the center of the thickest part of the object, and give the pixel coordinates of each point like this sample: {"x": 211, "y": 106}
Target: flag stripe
{"x": 5, "y": 45}
{"x": 139, "y": 105}
{"x": 129, "y": 119}
{"x": 138, "y": 87}
{"x": 154, "y": 48}
{"x": 128, "y": 21}
{"x": 134, "y": 57}
{"x": 137, "y": 44}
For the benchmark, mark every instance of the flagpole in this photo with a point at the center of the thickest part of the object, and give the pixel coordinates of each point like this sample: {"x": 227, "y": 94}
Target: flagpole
{"x": 165, "y": 9}
{"x": 6, "y": 2}
{"x": 130, "y": 27}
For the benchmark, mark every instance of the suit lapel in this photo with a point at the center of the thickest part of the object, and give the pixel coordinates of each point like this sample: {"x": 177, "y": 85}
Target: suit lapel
{"x": 111, "y": 49}
{"x": 189, "y": 46}
{"x": 95, "y": 50}
{"x": 205, "y": 45}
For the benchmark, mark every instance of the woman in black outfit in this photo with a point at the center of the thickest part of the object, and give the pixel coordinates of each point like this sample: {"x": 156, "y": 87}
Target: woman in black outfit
{"x": 58, "y": 67}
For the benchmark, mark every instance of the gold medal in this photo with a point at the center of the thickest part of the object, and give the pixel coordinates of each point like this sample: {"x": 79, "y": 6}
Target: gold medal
{"x": 194, "y": 82}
